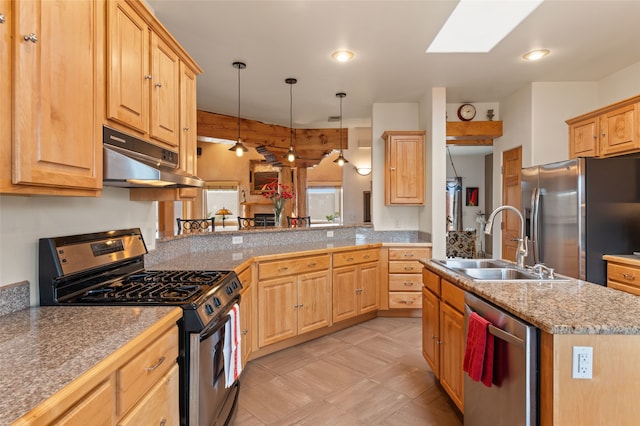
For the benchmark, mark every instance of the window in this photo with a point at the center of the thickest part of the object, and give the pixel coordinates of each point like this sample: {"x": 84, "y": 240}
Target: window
{"x": 324, "y": 203}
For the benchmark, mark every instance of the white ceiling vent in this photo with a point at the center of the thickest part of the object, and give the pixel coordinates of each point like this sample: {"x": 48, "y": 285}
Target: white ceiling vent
{"x": 363, "y": 136}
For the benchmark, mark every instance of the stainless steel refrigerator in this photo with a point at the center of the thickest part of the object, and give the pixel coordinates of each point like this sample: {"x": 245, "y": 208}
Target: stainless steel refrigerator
{"x": 578, "y": 210}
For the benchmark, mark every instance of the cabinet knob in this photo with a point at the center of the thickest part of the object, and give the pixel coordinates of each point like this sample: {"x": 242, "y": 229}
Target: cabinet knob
{"x": 163, "y": 422}
{"x": 393, "y": 169}
{"x": 186, "y": 129}
{"x": 147, "y": 77}
{"x": 244, "y": 332}
{"x": 2, "y": 19}
{"x": 604, "y": 135}
{"x": 158, "y": 84}
{"x": 31, "y": 37}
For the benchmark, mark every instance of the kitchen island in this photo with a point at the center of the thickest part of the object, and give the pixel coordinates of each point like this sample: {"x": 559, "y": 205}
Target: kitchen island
{"x": 573, "y": 313}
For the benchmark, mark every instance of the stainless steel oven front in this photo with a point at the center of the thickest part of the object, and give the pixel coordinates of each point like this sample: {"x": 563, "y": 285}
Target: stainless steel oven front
{"x": 211, "y": 400}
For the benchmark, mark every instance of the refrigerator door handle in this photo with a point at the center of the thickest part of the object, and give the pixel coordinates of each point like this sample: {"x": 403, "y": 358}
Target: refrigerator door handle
{"x": 535, "y": 224}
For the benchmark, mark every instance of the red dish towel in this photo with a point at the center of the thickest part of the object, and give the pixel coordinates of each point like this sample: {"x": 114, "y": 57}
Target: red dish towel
{"x": 478, "y": 355}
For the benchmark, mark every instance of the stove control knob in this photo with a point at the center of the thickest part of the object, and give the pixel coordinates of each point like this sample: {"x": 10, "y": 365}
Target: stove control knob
{"x": 217, "y": 302}
{"x": 208, "y": 309}
{"x": 229, "y": 290}
{"x": 235, "y": 285}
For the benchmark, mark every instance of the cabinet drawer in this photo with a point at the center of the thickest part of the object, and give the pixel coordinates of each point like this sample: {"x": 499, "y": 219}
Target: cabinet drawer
{"x": 95, "y": 408}
{"x": 406, "y": 267}
{"x": 633, "y": 289}
{"x": 137, "y": 376}
{"x": 409, "y": 253}
{"x": 453, "y": 295}
{"x": 624, "y": 274}
{"x": 431, "y": 281}
{"x": 160, "y": 405}
{"x": 405, "y": 282}
{"x": 281, "y": 268}
{"x": 354, "y": 257}
{"x": 405, "y": 300}
{"x": 245, "y": 277}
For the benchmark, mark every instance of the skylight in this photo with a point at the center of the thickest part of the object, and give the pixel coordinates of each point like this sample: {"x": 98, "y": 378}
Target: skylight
{"x": 477, "y": 26}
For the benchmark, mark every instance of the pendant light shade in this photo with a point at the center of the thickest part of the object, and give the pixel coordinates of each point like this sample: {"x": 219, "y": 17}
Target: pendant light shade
{"x": 341, "y": 160}
{"x": 291, "y": 154}
{"x": 239, "y": 147}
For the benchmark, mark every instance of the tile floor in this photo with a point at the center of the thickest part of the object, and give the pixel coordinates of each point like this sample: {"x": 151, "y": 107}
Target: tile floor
{"x": 369, "y": 374}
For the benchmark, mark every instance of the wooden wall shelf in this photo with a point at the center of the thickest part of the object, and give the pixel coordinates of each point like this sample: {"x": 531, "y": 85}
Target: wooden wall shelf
{"x": 473, "y": 132}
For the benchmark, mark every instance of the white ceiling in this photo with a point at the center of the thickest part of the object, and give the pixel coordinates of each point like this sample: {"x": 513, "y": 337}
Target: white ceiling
{"x": 278, "y": 39}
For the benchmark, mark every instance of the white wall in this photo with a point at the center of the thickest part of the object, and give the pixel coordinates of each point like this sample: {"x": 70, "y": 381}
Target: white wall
{"x": 619, "y": 85}
{"x": 396, "y": 116}
{"x": 354, "y": 184}
{"x": 23, "y": 220}
{"x": 471, "y": 169}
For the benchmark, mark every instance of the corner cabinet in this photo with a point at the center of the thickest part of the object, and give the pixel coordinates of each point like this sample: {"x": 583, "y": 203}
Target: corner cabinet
{"x": 246, "y": 313}
{"x": 606, "y": 132}
{"x": 356, "y": 282}
{"x": 405, "y": 278}
{"x": 57, "y": 81}
{"x": 404, "y": 160}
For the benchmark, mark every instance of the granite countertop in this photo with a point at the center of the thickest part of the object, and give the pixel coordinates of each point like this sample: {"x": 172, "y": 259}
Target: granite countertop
{"x": 43, "y": 349}
{"x": 231, "y": 259}
{"x": 561, "y": 307}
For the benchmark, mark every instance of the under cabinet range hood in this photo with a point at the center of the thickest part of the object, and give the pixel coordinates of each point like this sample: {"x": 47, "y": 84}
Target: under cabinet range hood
{"x": 130, "y": 162}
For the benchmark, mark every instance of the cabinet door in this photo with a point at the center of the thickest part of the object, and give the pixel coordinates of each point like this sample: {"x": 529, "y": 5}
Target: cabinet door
{"x": 345, "y": 304}
{"x": 404, "y": 169}
{"x": 246, "y": 317}
{"x": 95, "y": 408}
{"x": 431, "y": 331}
{"x": 58, "y": 93}
{"x": 5, "y": 93}
{"x": 452, "y": 353}
{"x": 165, "y": 98}
{"x": 276, "y": 310}
{"x": 128, "y": 73}
{"x": 188, "y": 120}
{"x": 619, "y": 130}
{"x": 369, "y": 284}
{"x": 314, "y": 301}
{"x": 583, "y": 138}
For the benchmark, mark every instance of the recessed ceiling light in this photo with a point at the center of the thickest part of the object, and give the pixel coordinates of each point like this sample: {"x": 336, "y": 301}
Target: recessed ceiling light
{"x": 477, "y": 26}
{"x": 342, "y": 55}
{"x": 534, "y": 55}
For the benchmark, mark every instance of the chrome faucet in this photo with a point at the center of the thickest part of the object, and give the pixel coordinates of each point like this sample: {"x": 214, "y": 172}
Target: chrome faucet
{"x": 521, "y": 251}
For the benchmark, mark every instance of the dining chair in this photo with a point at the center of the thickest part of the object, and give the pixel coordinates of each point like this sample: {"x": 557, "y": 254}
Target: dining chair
{"x": 299, "y": 222}
{"x": 189, "y": 226}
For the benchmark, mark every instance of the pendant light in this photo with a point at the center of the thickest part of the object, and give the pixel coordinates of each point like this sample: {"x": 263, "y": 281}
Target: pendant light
{"x": 341, "y": 160}
{"x": 291, "y": 154}
{"x": 239, "y": 147}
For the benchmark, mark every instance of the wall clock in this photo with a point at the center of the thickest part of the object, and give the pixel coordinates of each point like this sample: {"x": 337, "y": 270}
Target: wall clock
{"x": 466, "y": 112}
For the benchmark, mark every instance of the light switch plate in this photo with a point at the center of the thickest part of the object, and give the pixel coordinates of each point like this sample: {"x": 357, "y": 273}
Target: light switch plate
{"x": 236, "y": 240}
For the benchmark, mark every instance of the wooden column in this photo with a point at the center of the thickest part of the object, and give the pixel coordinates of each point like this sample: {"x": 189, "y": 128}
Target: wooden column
{"x": 287, "y": 180}
{"x": 301, "y": 192}
{"x": 166, "y": 219}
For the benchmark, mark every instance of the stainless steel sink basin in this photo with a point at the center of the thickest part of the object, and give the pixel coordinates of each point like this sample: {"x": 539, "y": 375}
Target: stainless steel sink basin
{"x": 498, "y": 274}
{"x": 472, "y": 263}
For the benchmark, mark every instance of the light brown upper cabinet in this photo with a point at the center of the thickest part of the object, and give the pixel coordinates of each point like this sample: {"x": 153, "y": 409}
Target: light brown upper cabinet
{"x": 52, "y": 126}
{"x": 145, "y": 77}
{"x": 606, "y": 132}
{"x": 404, "y": 167}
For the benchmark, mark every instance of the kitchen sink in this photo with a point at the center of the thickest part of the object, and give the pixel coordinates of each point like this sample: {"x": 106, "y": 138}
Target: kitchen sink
{"x": 472, "y": 263}
{"x": 498, "y": 274}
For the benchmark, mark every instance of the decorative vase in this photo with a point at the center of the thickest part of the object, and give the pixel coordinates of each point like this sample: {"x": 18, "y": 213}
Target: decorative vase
{"x": 278, "y": 204}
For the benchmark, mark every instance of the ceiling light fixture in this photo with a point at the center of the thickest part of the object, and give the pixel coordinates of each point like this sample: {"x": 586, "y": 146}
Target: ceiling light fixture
{"x": 239, "y": 147}
{"x": 291, "y": 154}
{"x": 342, "y": 55}
{"x": 534, "y": 55}
{"x": 341, "y": 160}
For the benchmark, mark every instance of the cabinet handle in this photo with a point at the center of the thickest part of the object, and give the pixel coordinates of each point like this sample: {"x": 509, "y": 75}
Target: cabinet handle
{"x": 366, "y": 256}
{"x": 312, "y": 264}
{"x": 349, "y": 259}
{"x": 406, "y": 302}
{"x": 408, "y": 283}
{"x": 158, "y": 84}
{"x": 408, "y": 268}
{"x": 408, "y": 255}
{"x": 2, "y": 20}
{"x": 433, "y": 337}
{"x": 156, "y": 365}
{"x": 244, "y": 332}
{"x": 604, "y": 135}
{"x": 393, "y": 169}
{"x": 186, "y": 129}
{"x": 283, "y": 268}
{"x": 163, "y": 422}
{"x": 629, "y": 277}
{"x": 147, "y": 77}
{"x": 31, "y": 37}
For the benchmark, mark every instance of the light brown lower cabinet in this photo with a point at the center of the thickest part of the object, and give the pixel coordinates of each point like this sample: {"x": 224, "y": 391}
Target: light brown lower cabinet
{"x": 356, "y": 283}
{"x": 137, "y": 384}
{"x": 443, "y": 333}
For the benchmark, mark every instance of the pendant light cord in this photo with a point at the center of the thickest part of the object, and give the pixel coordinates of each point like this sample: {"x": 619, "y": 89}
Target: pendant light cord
{"x": 451, "y": 161}
{"x": 290, "y": 115}
{"x": 239, "y": 102}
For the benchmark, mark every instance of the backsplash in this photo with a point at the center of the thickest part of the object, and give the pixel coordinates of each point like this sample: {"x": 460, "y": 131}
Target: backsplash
{"x": 14, "y": 297}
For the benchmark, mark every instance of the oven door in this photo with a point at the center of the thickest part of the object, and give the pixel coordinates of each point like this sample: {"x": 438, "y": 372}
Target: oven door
{"x": 210, "y": 401}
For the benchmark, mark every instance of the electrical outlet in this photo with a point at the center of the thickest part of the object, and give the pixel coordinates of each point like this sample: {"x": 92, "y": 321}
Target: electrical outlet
{"x": 329, "y": 234}
{"x": 582, "y": 362}
{"x": 236, "y": 256}
{"x": 236, "y": 240}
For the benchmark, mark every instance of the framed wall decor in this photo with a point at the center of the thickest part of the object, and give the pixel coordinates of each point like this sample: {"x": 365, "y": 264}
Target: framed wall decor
{"x": 260, "y": 174}
{"x": 472, "y": 196}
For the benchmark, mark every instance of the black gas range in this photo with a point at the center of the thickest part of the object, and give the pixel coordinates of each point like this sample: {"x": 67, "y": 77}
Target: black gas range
{"x": 107, "y": 268}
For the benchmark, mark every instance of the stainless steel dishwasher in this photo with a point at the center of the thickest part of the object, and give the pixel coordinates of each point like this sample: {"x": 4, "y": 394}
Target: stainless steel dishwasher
{"x": 512, "y": 398}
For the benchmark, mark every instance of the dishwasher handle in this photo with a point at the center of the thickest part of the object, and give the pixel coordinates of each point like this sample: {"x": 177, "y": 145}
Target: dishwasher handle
{"x": 498, "y": 332}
